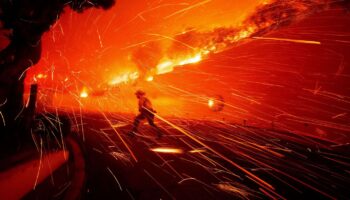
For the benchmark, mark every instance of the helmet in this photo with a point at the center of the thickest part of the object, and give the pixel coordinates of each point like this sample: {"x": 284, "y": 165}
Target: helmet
{"x": 139, "y": 93}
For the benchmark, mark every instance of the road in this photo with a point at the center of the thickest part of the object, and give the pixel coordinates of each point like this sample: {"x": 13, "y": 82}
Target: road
{"x": 207, "y": 160}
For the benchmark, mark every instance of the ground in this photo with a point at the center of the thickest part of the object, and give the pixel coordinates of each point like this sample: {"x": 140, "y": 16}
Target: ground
{"x": 216, "y": 161}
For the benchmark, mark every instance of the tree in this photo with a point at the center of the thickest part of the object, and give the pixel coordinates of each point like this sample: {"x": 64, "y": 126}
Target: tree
{"x": 24, "y": 22}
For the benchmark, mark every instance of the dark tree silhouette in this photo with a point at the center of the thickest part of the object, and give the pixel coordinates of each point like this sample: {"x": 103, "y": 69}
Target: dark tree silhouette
{"x": 25, "y": 21}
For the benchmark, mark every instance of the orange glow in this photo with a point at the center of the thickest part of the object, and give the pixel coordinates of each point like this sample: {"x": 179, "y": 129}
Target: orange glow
{"x": 197, "y": 58}
{"x": 289, "y": 40}
{"x": 197, "y": 151}
{"x": 149, "y": 78}
{"x": 84, "y": 93}
{"x": 165, "y": 67}
{"x": 211, "y": 103}
{"x": 169, "y": 65}
{"x": 167, "y": 150}
{"x": 39, "y": 76}
{"x": 124, "y": 78}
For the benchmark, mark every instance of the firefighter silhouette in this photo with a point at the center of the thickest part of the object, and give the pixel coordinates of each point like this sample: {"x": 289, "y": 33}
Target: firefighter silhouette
{"x": 146, "y": 112}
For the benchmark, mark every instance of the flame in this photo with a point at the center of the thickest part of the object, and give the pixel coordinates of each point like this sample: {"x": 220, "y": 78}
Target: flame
{"x": 162, "y": 68}
{"x": 84, "y": 93}
{"x": 39, "y": 76}
{"x": 167, "y": 150}
{"x": 124, "y": 78}
{"x": 169, "y": 65}
{"x": 165, "y": 67}
{"x": 149, "y": 78}
{"x": 193, "y": 46}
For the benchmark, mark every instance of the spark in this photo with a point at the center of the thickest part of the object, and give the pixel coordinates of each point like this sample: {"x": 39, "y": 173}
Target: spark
{"x": 188, "y": 8}
{"x": 3, "y": 119}
{"x": 120, "y": 137}
{"x": 260, "y": 181}
{"x": 40, "y": 163}
{"x": 289, "y": 40}
{"x": 160, "y": 185}
{"x": 197, "y": 151}
{"x": 115, "y": 178}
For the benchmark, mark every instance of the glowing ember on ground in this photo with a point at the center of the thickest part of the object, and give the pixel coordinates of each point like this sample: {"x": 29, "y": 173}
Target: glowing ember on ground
{"x": 167, "y": 150}
{"x": 84, "y": 93}
{"x": 211, "y": 103}
{"x": 39, "y": 76}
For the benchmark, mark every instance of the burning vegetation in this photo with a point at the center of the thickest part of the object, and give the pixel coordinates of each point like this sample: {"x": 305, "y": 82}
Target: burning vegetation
{"x": 192, "y": 46}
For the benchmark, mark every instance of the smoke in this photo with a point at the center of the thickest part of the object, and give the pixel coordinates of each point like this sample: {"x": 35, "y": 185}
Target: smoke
{"x": 266, "y": 18}
{"x": 146, "y": 57}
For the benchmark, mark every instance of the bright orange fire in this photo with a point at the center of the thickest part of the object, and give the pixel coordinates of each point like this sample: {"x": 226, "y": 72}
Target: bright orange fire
{"x": 162, "y": 68}
{"x": 169, "y": 65}
{"x": 84, "y": 93}
{"x": 211, "y": 103}
{"x": 124, "y": 78}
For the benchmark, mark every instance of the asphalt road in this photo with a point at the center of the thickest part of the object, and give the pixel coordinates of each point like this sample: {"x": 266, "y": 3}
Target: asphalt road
{"x": 211, "y": 160}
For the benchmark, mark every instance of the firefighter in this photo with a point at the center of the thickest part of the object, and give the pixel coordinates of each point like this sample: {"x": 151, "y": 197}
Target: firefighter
{"x": 146, "y": 112}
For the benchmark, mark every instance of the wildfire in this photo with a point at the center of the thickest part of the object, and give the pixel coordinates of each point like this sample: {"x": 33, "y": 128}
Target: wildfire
{"x": 192, "y": 46}
{"x": 162, "y": 68}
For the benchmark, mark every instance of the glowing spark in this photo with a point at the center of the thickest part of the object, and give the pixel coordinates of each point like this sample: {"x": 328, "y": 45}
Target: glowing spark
{"x": 251, "y": 175}
{"x": 120, "y": 137}
{"x": 197, "y": 151}
{"x": 167, "y": 150}
{"x": 288, "y": 40}
{"x": 3, "y": 119}
{"x": 188, "y": 8}
{"x": 115, "y": 178}
{"x": 40, "y": 162}
{"x": 230, "y": 188}
{"x": 40, "y": 76}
